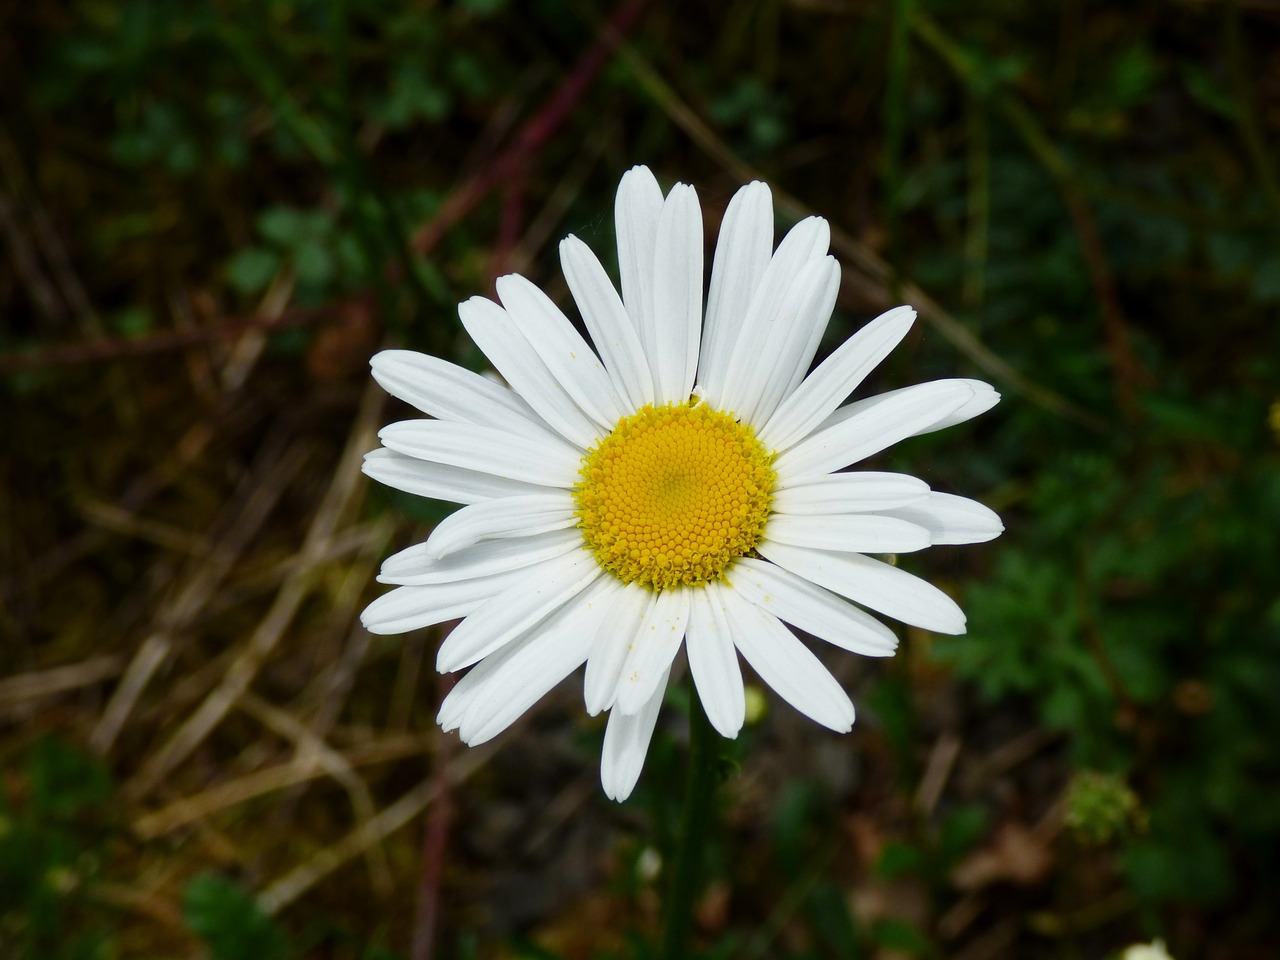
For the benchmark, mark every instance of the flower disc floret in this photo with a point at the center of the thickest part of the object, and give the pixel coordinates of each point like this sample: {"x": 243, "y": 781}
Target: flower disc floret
{"x": 674, "y": 495}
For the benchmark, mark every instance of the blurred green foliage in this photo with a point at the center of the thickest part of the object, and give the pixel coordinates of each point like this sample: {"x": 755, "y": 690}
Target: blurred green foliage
{"x": 1058, "y": 175}
{"x": 230, "y": 922}
{"x": 53, "y": 842}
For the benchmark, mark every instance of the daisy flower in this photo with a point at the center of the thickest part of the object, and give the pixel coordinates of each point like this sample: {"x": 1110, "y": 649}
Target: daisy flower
{"x": 682, "y": 484}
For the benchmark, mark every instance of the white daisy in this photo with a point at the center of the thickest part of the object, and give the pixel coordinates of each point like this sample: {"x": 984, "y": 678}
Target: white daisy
{"x": 684, "y": 485}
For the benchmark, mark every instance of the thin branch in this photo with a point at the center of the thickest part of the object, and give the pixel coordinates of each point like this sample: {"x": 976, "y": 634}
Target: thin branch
{"x": 301, "y": 769}
{"x": 295, "y": 590}
{"x": 116, "y": 348}
{"x": 857, "y": 255}
{"x": 435, "y": 841}
{"x": 302, "y": 878}
{"x": 1127, "y": 373}
{"x": 534, "y": 134}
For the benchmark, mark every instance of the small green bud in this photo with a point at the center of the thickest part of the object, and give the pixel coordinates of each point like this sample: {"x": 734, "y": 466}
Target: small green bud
{"x": 1101, "y": 807}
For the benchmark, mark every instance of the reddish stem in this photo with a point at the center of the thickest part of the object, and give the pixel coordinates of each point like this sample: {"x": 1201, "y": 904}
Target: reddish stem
{"x": 435, "y": 843}
{"x": 533, "y": 134}
{"x": 115, "y": 348}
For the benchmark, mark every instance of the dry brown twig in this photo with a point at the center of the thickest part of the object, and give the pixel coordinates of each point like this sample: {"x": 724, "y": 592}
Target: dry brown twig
{"x": 208, "y": 803}
{"x": 856, "y": 254}
{"x": 534, "y": 134}
{"x": 302, "y": 878}
{"x": 62, "y": 275}
{"x": 312, "y": 749}
{"x": 206, "y": 572}
{"x": 25, "y": 690}
{"x": 103, "y": 349}
{"x": 337, "y": 502}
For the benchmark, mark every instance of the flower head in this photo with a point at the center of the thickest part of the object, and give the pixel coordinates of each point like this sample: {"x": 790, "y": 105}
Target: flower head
{"x": 682, "y": 484}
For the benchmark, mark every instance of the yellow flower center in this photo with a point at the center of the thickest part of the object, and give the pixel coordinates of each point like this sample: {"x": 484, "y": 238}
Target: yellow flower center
{"x": 674, "y": 495}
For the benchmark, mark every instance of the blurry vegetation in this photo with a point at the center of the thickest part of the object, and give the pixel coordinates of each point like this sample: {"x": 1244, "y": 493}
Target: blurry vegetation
{"x": 52, "y": 844}
{"x": 213, "y": 212}
{"x": 230, "y": 922}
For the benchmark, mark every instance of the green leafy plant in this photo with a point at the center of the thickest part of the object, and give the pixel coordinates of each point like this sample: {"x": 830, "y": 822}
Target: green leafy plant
{"x": 230, "y": 922}
{"x": 54, "y": 834}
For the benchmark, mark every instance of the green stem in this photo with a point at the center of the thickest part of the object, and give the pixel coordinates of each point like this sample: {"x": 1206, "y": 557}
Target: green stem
{"x": 694, "y": 823}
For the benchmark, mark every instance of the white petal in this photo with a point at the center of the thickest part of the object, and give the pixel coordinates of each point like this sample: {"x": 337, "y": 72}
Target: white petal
{"x": 500, "y": 519}
{"x": 984, "y": 398}
{"x": 881, "y": 423}
{"x": 477, "y": 682}
{"x": 860, "y": 492}
{"x": 440, "y": 481}
{"x": 532, "y": 458}
{"x": 523, "y": 681}
{"x": 415, "y": 565}
{"x": 873, "y": 584}
{"x": 807, "y": 348}
{"x": 742, "y": 254}
{"x": 606, "y": 320}
{"x": 795, "y": 333}
{"x": 677, "y": 296}
{"x": 636, "y": 211}
{"x": 626, "y": 741}
{"x": 528, "y": 669}
{"x": 409, "y": 608}
{"x": 516, "y": 609}
{"x": 569, "y": 357}
{"x": 811, "y": 608}
{"x": 458, "y": 700}
{"x": 713, "y": 661}
{"x": 787, "y": 665}
{"x": 854, "y": 532}
{"x": 748, "y": 369}
{"x": 613, "y": 643}
{"x": 656, "y": 644}
{"x": 448, "y": 392}
{"x": 951, "y": 519}
{"x": 835, "y": 378}
{"x": 514, "y": 357}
